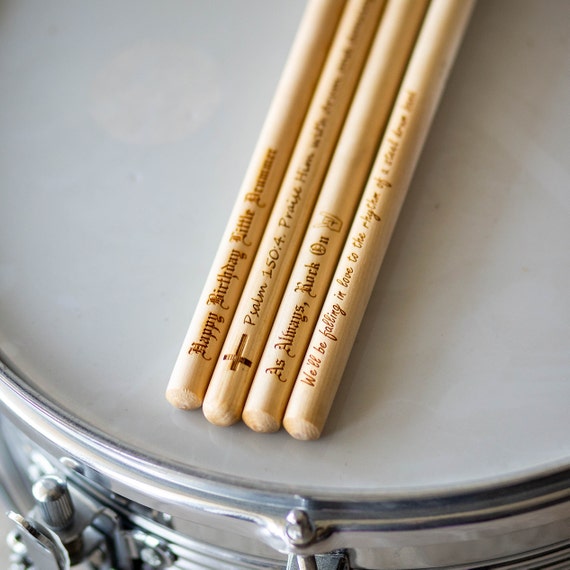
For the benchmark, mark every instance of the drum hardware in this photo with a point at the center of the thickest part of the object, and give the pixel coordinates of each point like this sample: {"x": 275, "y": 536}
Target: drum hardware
{"x": 72, "y": 522}
{"x": 35, "y": 547}
{"x": 128, "y": 535}
{"x": 64, "y": 528}
{"x": 301, "y": 532}
{"x": 152, "y": 551}
{"x": 292, "y": 535}
{"x": 92, "y": 483}
{"x": 498, "y": 524}
{"x": 332, "y": 561}
{"x": 125, "y": 518}
{"x": 299, "y": 528}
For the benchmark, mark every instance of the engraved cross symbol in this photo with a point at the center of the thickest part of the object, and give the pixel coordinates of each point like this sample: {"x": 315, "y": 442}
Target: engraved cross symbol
{"x": 238, "y": 357}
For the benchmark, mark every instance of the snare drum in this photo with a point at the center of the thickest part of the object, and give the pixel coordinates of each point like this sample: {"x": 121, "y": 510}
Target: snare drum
{"x": 125, "y": 131}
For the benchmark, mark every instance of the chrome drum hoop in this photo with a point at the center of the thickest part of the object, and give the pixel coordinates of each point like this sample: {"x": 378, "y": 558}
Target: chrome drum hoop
{"x": 497, "y": 523}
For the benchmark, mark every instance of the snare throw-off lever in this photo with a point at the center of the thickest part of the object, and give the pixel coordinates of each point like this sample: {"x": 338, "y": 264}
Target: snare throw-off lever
{"x": 62, "y": 529}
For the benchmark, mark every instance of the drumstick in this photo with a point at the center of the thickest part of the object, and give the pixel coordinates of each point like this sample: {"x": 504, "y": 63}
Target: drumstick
{"x": 244, "y": 343}
{"x": 333, "y": 213}
{"x": 236, "y": 251}
{"x": 353, "y": 280}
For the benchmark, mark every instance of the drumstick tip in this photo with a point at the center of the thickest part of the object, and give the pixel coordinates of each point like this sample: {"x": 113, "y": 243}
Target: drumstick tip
{"x": 220, "y": 413}
{"x": 183, "y": 399}
{"x": 299, "y": 428}
{"x": 261, "y": 421}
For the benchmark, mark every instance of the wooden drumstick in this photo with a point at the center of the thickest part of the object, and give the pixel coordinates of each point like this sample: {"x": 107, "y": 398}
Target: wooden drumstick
{"x": 221, "y": 292}
{"x": 333, "y": 214}
{"x": 245, "y": 340}
{"x": 353, "y": 280}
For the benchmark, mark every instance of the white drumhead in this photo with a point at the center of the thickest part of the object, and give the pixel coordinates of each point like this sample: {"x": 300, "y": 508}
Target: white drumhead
{"x": 125, "y": 129}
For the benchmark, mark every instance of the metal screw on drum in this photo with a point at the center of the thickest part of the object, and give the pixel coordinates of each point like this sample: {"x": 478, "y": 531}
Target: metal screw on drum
{"x": 301, "y": 531}
{"x": 153, "y": 551}
{"x": 299, "y": 528}
{"x": 54, "y": 501}
{"x": 72, "y": 464}
{"x": 150, "y": 557}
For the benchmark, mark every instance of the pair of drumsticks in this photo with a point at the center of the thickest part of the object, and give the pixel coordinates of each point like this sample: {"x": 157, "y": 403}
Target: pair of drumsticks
{"x": 281, "y": 307}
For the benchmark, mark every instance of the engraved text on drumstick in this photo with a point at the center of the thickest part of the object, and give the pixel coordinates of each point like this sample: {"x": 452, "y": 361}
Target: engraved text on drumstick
{"x": 303, "y": 173}
{"x": 273, "y": 256}
{"x": 229, "y": 272}
{"x": 242, "y": 227}
{"x": 203, "y": 346}
{"x": 255, "y": 195}
{"x": 335, "y": 312}
{"x": 224, "y": 278}
{"x": 228, "y": 389}
{"x": 287, "y": 337}
{"x": 209, "y": 332}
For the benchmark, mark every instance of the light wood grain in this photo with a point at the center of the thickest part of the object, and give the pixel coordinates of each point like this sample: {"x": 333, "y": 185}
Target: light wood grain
{"x": 221, "y": 292}
{"x": 333, "y": 213}
{"x": 245, "y": 340}
{"x": 361, "y": 258}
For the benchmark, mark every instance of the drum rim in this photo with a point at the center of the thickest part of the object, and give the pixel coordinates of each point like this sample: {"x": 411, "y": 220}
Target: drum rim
{"x": 175, "y": 486}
